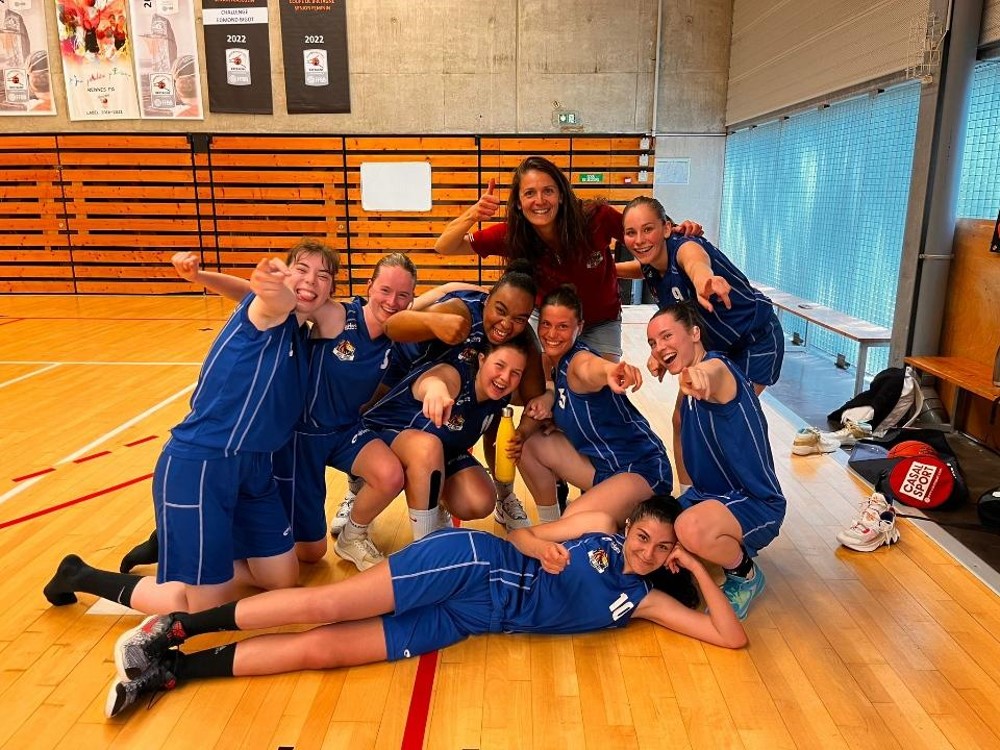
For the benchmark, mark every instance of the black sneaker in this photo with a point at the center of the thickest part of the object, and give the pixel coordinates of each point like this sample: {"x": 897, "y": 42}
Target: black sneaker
{"x": 143, "y": 646}
{"x": 124, "y": 694}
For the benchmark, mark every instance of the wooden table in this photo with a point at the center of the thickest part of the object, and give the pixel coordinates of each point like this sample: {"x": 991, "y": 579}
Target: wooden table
{"x": 966, "y": 375}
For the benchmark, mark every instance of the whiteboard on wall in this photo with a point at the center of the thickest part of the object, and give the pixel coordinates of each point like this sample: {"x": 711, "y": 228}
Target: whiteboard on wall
{"x": 396, "y": 186}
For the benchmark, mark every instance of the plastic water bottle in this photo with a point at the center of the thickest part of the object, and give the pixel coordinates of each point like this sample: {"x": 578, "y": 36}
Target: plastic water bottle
{"x": 503, "y": 464}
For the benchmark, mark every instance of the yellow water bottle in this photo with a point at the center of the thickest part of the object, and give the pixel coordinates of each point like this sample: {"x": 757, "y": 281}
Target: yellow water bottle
{"x": 504, "y": 464}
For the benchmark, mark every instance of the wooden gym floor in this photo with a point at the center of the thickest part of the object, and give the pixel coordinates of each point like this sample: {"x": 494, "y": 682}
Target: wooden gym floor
{"x": 893, "y": 649}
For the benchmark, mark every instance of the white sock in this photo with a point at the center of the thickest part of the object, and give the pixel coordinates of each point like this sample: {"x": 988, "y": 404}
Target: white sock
{"x": 423, "y": 522}
{"x": 548, "y": 513}
{"x": 503, "y": 488}
{"x": 354, "y": 530}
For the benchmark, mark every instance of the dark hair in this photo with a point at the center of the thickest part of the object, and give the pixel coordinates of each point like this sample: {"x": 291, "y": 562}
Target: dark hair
{"x": 645, "y": 200}
{"x": 662, "y": 508}
{"x": 571, "y": 217}
{"x": 521, "y": 343}
{"x": 564, "y": 295}
{"x": 310, "y": 246}
{"x": 518, "y": 275}
{"x": 679, "y": 585}
{"x": 395, "y": 260}
{"x": 686, "y": 313}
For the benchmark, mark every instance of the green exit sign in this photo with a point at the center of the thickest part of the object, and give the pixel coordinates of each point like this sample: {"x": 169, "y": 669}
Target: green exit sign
{"x": 592, "y": 177}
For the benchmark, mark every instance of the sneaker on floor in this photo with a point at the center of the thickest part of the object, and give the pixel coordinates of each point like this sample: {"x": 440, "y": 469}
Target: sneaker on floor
{"x": 510, "y": 513}
{"x": 138, "y": 649}
{"x": 125, "y": 693}
{"x": 361, "y": 551}
{"x": 343, "y": 514}
{"x": 809, "y": 440}
{"x": 444, "y": 519}
{"x": 850, "y": 433}
{"x": 742, "y": 591}
{"x": 874, "y": 526}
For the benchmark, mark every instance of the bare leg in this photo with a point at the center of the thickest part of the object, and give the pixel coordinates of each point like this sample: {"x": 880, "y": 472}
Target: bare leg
{"x": 470, "y": 494}
{"x": 341, "y": 645}
{"x": 546, "y": 458}
{"x": 617, "y": 495}
{"x": 421, "y": 454}
{"x": 383, "y": 475}
{"x": 710, "y": 531}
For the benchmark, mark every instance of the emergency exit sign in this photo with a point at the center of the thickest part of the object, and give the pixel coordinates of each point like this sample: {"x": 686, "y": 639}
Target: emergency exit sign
{"x": 592, "y": 177}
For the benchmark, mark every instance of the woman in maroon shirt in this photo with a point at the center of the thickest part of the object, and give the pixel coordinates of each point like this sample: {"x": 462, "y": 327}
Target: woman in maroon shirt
{"x": 566, "y": 239}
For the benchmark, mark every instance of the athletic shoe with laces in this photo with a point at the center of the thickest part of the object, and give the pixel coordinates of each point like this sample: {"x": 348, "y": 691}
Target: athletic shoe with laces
{"x": 874, "y": 526}
{"x": 809, "y": 440}
{"x": 138, "y": 649}
{"x": 742, "y": 591}
{"x": 343, "y": 514}
{"x": 510, "y": 513}
{"x": 361, "y": 551}
{"x": 850, "y": 433}
{"x": 126, "y": 693}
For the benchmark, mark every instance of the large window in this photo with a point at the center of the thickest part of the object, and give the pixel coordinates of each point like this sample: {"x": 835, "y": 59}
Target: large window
{"x": 815, "y": 204}
{"x": 979, "y": 190}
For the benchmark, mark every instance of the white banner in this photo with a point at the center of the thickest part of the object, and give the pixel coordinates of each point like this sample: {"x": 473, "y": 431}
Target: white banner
{"x": 166, "y": 59}
{"x": 25, "y": 83}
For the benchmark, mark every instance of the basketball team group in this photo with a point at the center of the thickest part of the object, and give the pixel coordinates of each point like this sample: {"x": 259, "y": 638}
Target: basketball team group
{"x": 395, "y": 389}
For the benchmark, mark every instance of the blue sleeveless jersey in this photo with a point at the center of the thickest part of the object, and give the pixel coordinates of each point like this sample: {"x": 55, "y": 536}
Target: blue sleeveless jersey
{"x": 726, "y": 447}
{"x": 399, "y": 410}
{"x": 592, "y": 593}
{"x": 604, "y": 426}
{"x": 343, "y": 374}
{"x": 250, "y": 390}
{"x": 728, "y": 329}
{"x": 416, "y": 356}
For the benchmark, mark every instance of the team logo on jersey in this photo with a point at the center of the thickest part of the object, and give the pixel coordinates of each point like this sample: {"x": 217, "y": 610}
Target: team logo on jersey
{"x": 456, "y": 423}
{"x": 468, "y": 355}
{"x": 595, "y": 259}
{"x": 678, "y": 294}
{"x": 344, "y": 351}
{"x": 598, "y": 560}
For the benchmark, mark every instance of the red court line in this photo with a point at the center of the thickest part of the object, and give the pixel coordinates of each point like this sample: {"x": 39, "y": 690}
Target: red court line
{"x": 33, "y": 474}
{"x": 91, "y": 456}
{"x": 420, "y": 703}
{"x": 5, "y": 321}
{"x": 140, "y": 441}
{"x": 91, "y": 496}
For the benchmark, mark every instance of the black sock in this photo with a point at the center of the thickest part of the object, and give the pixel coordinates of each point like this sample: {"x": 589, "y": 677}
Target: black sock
{"x": 74, "y": 575}
{"x": 562, "y": 494}
{"x": 743, "y": 569}
{"x": 145, "y": 553}
{"x": 212, "y": 620}
{"x": 212, "y": 662}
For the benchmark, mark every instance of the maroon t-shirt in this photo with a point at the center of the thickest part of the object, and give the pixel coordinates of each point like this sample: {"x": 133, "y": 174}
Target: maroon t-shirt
{"x": 595, "y": 277}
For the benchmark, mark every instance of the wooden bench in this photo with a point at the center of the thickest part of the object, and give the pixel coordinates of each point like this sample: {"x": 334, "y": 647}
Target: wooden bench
{"x": 865, "y": 333}
{"x": 966, "y": 375}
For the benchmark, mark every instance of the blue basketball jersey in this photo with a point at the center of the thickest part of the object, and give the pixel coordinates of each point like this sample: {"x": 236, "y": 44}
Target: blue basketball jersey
{"x": 399, "y": 410}
{"x": 604, "y": 426}
{"x": 250, "y": 390}
{"x": 343, "y": 374}
{"x": 415, "y": 356}
{"x": 592, "y": 593}
{"x": 726, "y": 447}
{"x": 728, "y": 329}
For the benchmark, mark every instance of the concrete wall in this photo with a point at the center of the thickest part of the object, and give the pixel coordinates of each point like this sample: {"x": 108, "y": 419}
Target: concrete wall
{"x": 494, "y": 66}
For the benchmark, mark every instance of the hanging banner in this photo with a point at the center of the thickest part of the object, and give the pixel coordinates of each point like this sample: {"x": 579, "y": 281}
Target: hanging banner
{"x": 97, "y": 59}
{"x": 166, "y": 59}
{"x": 314, "y": 43}
{"x": 237, "y": 56}
{"x": 25, "y": 83}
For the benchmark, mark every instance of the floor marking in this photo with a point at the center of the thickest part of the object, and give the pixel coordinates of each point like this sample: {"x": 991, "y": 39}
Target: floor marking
{"x": 420, "y": 703}
{"x": 75, "y": 501}
{"x": 29, "y": 375}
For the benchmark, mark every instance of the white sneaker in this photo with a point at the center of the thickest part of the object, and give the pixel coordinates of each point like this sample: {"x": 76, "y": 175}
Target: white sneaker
{"x": 361, "y": 551}
{"x": 850, "y": 433}
{"x": 444, "y": 518}
{"x": 343, "y": 514}
{"x": 510, "y": 513}
{"x": 809, "y": 440}
{"x": 874, "y": 526}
